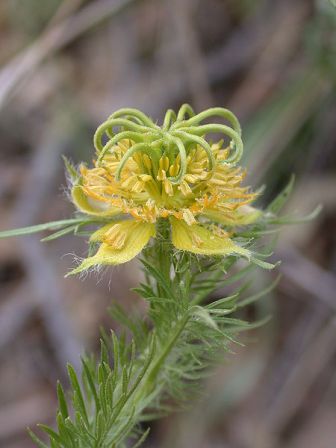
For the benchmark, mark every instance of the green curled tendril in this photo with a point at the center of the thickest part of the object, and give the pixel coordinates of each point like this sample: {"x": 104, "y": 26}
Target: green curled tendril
{"x": 175, "y": 134}
{"x": 183, "y": 155}
{"x": 129, "y": 153}
{"x": 169, "y": 119}
{"x": 223, "y": 129}
{"x": 200, "y": 141}
{"x": 134, "y": 113}
{"x": 108, "y": 148}
{"x": 184, "y": 110}
{"x": 108, "y": 125}
{"x": 213, "y": 112}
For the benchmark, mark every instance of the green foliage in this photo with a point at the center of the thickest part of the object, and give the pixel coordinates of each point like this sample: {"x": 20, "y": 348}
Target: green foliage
{"x": 164, "y": 361}
{"x": 64, "y": 226}
{"x": 160, "y": 359}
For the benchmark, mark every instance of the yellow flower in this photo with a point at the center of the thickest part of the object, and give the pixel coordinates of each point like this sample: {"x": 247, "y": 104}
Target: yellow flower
{"x": 145, "y": 173}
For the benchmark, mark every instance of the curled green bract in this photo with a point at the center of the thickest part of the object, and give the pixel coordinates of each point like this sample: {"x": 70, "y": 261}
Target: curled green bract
{"x": 178, "y": 135}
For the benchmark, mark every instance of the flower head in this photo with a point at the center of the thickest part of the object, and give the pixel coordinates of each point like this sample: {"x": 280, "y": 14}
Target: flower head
{"x": 144, "y": 173}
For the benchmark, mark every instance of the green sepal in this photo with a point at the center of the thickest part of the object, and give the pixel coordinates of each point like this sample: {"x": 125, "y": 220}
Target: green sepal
{"x": 71, "y": 170}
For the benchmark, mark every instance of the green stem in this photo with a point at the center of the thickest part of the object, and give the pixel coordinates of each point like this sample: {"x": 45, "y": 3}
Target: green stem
{"x": 163, "y": 250}
{"x": 155, "y": 369}
{"x": 163, "y": 253}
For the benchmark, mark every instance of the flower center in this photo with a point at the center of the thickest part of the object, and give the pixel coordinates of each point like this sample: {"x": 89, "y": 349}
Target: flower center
{"x": 153, "y": 172}
{"x": 145, "y": 189}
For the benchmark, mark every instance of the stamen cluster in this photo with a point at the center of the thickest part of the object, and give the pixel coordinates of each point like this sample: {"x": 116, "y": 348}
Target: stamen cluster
{"x": 151, "y": 172}
{"x": 148, "y": 172}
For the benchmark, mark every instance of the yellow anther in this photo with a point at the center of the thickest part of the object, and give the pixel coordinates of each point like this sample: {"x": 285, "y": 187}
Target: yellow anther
{"x": 188, "y": 217}
{"x": 150, "y": 204}
{"x": 174, "y": 169}
{"x": 124, "y": 145}
{"x": 164, "y": 163}
{"x": 150, "y": 211}
{"x": 129, "y": 182}
{"x": 191, "y": 178}
{"x": 147, "y": 162}
{"x": 196, "y": 170}
{"x": 184, "y": 188}
{"x": 168, "y": 187}
{"x": 223, "y": 154}
{"x": 218, "y": 182}
{"x": 161, "y": 175}
{"x": 146, "y": 177}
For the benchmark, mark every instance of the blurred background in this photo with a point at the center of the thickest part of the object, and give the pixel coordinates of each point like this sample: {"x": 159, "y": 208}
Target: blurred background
{"x": 65, "y": 66}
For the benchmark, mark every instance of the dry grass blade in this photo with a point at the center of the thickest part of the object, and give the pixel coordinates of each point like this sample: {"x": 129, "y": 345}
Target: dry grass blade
{"x": 53, "y": 40}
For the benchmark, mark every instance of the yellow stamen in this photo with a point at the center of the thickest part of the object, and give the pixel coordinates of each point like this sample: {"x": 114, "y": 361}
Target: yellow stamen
{"x": 148, "y": 194}
{"x": 188, "y": 217}
{"x": 175, "y": 168}
{"x": 161, "y": 175}
{"x": 164, "y": 163}
{"x": 147, "y": 162}
{"x": 168, "y": 187}
{"x": 185, "y": 189}
{"x": 191, "y": 178}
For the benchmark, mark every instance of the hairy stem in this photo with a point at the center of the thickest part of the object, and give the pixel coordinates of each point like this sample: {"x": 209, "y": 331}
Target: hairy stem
{"x": 178, "y": 329}
{"x": 163, "y": 250}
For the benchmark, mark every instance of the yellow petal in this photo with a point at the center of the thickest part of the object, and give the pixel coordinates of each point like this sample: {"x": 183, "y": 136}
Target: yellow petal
{"x": 199, "y": 240}
{"x": 243, "y": 216}
{"x": 122, "y": 241}
{"x": 91, "y": 206}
